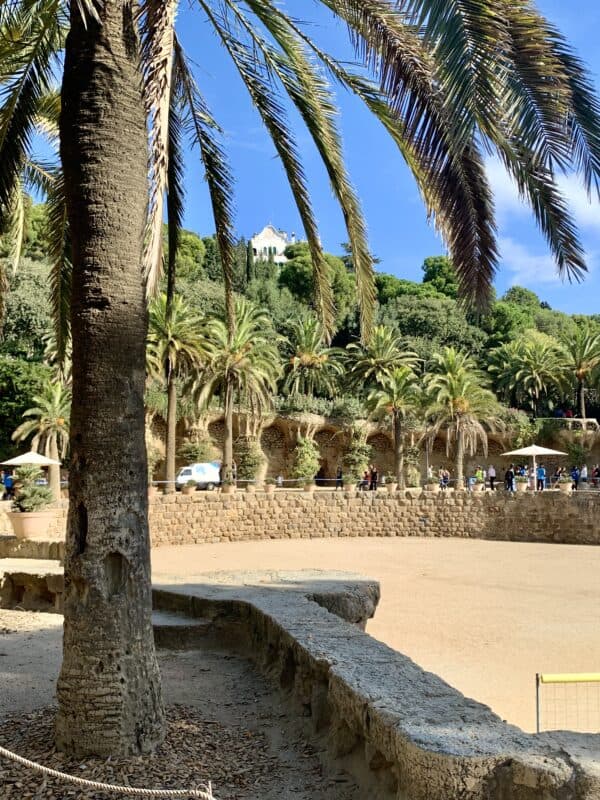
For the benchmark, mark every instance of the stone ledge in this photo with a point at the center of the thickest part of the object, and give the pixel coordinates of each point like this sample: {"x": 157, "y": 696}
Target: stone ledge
{"x": 403, "y": 731}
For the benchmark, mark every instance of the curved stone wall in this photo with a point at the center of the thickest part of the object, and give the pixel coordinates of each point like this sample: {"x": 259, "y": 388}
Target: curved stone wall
{"x": 214, "y": 517}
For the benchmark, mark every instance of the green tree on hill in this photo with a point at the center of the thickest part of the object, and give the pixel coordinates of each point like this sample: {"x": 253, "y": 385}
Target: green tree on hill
{"x": 439, "y": 272}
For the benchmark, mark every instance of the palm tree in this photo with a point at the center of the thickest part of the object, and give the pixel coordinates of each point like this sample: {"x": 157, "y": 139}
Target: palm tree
{"x": 438, "y": 93}
{"x": 398, "y": 396}
{"x": 459, "y": 405}
{"x": 374, "y": 361}
{"x": 175, "y": 352}
{"x": 582, "y": 357}
{"x": 312, "y": 368}
{"x": 242, "y": 367}
{"x": 48, "y": 423}
{"x": 528, "y": 369}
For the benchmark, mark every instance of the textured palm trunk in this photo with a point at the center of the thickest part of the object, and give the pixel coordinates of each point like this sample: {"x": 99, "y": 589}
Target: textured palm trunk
{"x": 54, "y": 471}
{"x": 228, "y": 441}
{"x": 398, "y": 450}
{"x": 581, "y": 398}
{"x": 109, "y": 691}
{"x": 171, "y": 431}
{"x": 460, "y": 460}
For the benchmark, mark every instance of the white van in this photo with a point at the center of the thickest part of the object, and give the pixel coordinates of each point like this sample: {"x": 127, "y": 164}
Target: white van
{"x": 206, "y": 476}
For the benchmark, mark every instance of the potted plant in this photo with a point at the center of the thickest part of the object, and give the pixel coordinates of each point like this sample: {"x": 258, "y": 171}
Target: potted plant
{"x": 391, "y": 484}
{"x": 356, "y": 458}
{"x": 189, "y": 488}
{"x": 270, "y": 484}
{"x": 522, "y": 483}
{"x": 565, "y": 484}
{"x": 249, "y": 459}
{"x": 31, "y": 516}
{"x": 153, "y": 457}
{"x": 306, "y": 463}
{"x": 228, "y": 486}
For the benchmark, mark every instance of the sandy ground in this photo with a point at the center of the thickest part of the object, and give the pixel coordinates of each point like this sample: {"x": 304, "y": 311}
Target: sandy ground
{"x": 224, "y": 687}
{"x": 486, "y": 616}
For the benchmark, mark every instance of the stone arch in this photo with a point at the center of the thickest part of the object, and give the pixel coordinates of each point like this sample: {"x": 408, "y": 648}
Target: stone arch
{"x": 274, "y": 442}
{"x": 383, "y": 452}
{"x": 330, "y": 443}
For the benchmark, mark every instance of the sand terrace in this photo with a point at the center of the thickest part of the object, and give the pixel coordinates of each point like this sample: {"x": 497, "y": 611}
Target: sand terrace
{"x": 485, "y": 616}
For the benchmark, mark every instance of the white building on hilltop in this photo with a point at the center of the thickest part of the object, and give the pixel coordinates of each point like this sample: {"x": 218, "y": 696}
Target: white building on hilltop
{"x": 271, "y": 242}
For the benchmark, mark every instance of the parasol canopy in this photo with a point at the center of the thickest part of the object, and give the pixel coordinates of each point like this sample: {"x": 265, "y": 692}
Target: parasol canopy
{"x": 36, "y": 459}
{"x": 534, "y": 451}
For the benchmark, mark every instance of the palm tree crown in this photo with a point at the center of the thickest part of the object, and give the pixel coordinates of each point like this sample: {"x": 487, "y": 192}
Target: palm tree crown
{"x": 397, "y": 396}
{"x": 527, "y": 369}
{"x": 436, "y": 88}
{"x": 582, "y": 357}
{"x": 312, "y": 368}
{"x": 376, "y": 360}
{"x": 242, "y": 365}
{"x": 175, "y": 341}
{"x": 460, "y": 405}
{"x": 48, "y": 423}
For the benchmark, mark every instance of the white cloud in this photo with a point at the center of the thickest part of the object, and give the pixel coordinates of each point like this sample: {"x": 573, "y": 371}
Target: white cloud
{"x": 526, "y": 268}
{"x": 508, "y": 202}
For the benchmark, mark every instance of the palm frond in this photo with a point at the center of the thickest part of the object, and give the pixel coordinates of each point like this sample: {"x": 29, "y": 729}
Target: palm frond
{"x": 13, "y": 226}
{"x": 175, "y": 188}
{"x": 27, "y": 54}
{"x": 61, "y": 268}
{"x": 446, "y": 164}
{"x": 157, "y": 26}
{"x": 263, "y": 93}
{"x": 203, "y": 132}
{"x": 310, "y": 93}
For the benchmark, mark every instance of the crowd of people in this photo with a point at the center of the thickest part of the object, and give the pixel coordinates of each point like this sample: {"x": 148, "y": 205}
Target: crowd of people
{"x": 540, "y": 479}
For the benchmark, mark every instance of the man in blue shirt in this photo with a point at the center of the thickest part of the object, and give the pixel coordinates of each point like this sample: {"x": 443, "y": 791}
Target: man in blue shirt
{"x": 541, "y": 478}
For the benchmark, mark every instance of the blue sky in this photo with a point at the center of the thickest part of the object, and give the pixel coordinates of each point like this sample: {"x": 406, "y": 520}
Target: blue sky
{"x": 398, "y": 231}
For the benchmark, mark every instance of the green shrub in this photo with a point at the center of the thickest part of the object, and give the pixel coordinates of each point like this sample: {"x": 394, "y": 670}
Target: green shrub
{"x": 306, "y": 460}
{"x": 153, "y": 456}
{"x": 248, "y": 457}
{"x": 356, "y": 458}
{"x": 197, "y": 450}
{"x": 29, "y": 495}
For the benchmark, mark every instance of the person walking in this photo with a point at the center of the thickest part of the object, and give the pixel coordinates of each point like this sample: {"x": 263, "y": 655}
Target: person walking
{"x": 374, "y": 478}
{"x": 584, "y": 474}
{"x": 492, "y": 476}
{"x": 509, "y": 479}
{"x": 541, "y": 478}
{"x": 339, "y": 476}
{"x": 575, "y": 476}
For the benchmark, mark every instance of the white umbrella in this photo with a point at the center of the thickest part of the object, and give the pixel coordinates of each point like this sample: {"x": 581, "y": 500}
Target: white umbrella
{"x": 31, "y": 458}
{"x": 534, "y": 450}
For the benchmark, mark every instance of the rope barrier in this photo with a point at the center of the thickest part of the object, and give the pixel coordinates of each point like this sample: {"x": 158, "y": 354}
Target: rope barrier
{"x": 132, "y": 791}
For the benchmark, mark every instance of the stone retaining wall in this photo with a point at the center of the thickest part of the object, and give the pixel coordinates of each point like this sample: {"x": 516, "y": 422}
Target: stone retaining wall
{"x": 404, "y": 733}
{"x": 213, "y": 517}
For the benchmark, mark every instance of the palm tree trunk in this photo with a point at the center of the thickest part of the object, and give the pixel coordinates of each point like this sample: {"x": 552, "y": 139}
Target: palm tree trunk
{"x": 460, "y": 460}
{"x": 228, "y": 441}
{"x": 581, "y": 398}
{"x": 109, "y": 691}
{"x": 398, "y": 450}
{"x": 171, "y": 431}
{"x": 54, "y": 471}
